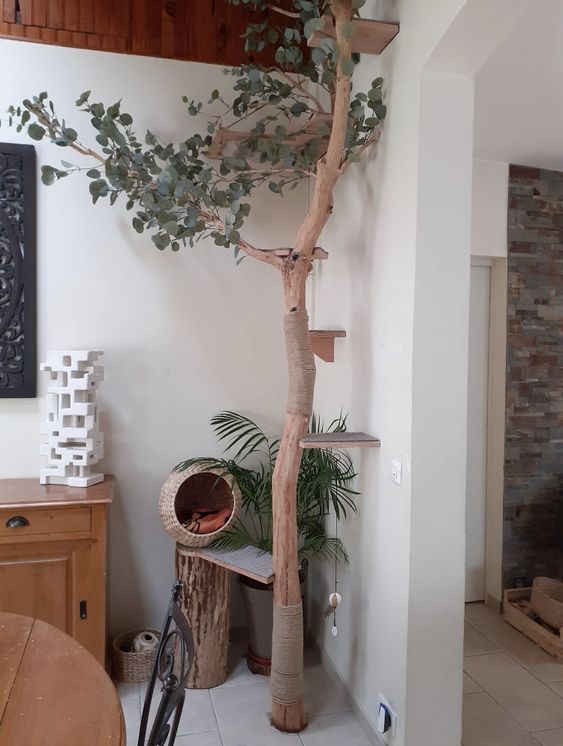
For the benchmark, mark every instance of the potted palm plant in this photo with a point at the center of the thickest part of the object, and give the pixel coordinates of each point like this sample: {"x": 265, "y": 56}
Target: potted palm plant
{"x": 324, "y": 484}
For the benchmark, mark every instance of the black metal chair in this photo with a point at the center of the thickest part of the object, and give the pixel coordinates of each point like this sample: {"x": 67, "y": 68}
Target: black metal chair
{"x": 172, "y": 665}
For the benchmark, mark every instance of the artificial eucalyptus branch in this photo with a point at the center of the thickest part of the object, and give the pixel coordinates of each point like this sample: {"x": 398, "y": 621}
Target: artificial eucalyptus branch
{"x": 302, "y": 123}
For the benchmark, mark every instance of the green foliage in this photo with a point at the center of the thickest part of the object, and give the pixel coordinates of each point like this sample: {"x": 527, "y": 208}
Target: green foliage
{"x": 176, "y": 191}
{"x": 324, "y": 484}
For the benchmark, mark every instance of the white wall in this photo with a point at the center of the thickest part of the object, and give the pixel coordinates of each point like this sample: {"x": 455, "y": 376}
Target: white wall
{"x": 368, "y": 288}
{"x": 519, "y": 114}
{"x": 402, "y": 225}
{"x": 185, "y": 335}
{"x": 489, "y": 220}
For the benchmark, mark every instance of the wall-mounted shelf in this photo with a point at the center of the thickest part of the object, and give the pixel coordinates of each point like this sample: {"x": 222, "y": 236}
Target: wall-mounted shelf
{"x": 368, "y": 36}
{"x": 339, "y": 440}
{"x": 322, "y": 342}
{"x": 318, "y": 253}
{"x": 247, "y": 561}
{"x": 225, "y": 139}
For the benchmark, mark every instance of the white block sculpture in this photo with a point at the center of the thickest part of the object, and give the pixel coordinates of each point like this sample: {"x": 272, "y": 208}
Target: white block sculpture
{"x": 72, "y": 441}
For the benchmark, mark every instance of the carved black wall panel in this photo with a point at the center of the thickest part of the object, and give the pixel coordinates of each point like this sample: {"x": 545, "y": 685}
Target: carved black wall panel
{"x": 17, "y": 271}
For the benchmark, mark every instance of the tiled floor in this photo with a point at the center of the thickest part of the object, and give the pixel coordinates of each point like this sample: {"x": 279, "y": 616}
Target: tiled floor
{"x": 513, "y": 690}
{"x": 236, "y": 713}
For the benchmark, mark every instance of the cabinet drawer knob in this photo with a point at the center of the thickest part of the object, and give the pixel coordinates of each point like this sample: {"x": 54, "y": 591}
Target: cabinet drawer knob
{"x": 18, "y": 521}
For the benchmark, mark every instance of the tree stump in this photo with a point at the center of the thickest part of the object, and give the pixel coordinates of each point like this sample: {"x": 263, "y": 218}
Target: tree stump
{"x": 205, "y": 603}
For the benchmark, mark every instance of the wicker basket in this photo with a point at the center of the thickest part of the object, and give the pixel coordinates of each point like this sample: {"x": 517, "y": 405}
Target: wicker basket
{"x": 127, "y": 665}
{"x": 547, "y": 601}
{"x": 195, "y": 487}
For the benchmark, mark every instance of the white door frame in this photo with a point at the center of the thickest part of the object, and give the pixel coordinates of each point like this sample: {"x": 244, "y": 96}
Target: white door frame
{"x": 496, "y": 432}
{"x": 496, "y": 412}
{"x": 479, "y": 370}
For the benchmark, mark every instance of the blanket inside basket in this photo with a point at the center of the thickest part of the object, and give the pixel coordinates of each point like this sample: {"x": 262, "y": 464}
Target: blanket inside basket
{"x": 206, "y": 521}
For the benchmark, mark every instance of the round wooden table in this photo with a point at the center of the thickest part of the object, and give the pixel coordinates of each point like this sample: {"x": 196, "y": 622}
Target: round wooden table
{"x": 52, "y": 691}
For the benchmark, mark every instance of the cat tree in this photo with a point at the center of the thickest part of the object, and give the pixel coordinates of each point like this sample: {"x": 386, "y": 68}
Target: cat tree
{"x": 302, "y": 123}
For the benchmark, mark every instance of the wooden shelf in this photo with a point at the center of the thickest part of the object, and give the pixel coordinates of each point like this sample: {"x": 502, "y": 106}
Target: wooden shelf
{"x": 322, "y": 342}
{"x": 247, "y": 561}
{"x": 368, "y": 36}
{"x": 339, "y": 440}
{"x": 318, "y": 253}
{"x": 226, "y": 139}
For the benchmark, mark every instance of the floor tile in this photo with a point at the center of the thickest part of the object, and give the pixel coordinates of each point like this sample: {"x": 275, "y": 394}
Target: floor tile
{"x": 132, "y": 716}
{"x": 514, "y": 642}
{"x": 239, "y": 673}
{"x": 324, "y": 695}
{"x": 243, "y": 714}
{"x": 200, "y": 739}
{"x": 198, "y": 715}
{"x": 127, "y": 690}
{"x": 557, "y": 687}
{"x": 474, "y": 643}
{"x": 470, "y": 686}
{"x": 549, "y": 672}
{"x": 480, "y": 613}
{"x": 526, "y": 699}
{"x": 337, "y": 729}
{"x": 487, "y": 724}
{"x": 550, "y": 737}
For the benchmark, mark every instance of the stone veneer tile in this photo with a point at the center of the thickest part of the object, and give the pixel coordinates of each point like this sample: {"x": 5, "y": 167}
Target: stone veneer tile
{"x": 533, "y": 515}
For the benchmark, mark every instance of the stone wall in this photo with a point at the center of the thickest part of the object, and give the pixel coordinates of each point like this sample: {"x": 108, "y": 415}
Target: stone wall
{"x": 533, "y": 498}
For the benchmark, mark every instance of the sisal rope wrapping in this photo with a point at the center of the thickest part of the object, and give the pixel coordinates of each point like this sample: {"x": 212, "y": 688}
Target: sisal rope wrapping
{"x": 287, "y": 655}
{"x": 301, "y": 363}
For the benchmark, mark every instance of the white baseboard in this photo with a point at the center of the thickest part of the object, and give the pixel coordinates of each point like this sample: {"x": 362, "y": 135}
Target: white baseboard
{"x": 356, "y": 708}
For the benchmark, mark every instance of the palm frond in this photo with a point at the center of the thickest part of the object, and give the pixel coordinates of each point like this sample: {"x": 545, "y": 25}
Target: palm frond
{"x": 241, "y": 433}
{"x": 324, "y": 484}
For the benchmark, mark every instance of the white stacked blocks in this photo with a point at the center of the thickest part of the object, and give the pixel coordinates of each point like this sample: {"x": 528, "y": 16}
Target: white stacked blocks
{"x": 72, "y": 441}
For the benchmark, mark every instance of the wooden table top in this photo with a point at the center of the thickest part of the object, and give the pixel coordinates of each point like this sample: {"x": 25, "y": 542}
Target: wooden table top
{"x": 52, "y": 691}
{"x": 28, "y": 493}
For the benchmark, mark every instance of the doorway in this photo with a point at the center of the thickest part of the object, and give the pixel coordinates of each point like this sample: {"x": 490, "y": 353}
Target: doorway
{"x": 477, "y": 430}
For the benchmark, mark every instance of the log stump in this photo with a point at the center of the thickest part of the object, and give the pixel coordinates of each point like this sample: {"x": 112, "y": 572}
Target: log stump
{"x": 206, "y": 605}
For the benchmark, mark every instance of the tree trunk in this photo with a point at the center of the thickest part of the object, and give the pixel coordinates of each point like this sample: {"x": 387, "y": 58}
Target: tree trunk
{"x": 288, "y": 710}
{"x": 205, "y": 603}
{"x": 287, "y": 645}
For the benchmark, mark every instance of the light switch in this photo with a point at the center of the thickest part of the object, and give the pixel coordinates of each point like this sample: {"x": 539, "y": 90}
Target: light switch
{"x": 397, "y": 472}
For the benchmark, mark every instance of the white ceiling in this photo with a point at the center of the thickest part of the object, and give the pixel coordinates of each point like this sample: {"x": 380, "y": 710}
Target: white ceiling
{"x": 519, "y": 93}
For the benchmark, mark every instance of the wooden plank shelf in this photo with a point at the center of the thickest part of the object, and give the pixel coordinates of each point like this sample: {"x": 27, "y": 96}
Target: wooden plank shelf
{"x": 318, "y": 253}
{"x": 247, "y": 561}
{"x": 368, "y": 36}
{"x": 225, "y": 140}
{"x": 339, "y": 440}
{"x": 322, "y": 342}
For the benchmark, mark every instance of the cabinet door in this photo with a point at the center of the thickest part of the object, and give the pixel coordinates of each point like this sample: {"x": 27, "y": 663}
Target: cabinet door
{"x": 38, "y": 585}
{"x": 50, "y": 581}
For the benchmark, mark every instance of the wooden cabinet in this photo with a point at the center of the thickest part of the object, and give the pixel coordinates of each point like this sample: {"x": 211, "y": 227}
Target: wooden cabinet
{"x": 87, "y": 24}
{"x": 198, "y": 30}
{"x": 53, "y": 556}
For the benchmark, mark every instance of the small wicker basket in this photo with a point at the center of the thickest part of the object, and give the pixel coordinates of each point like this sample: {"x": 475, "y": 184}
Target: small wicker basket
{"x": 547, "y": 601}
{"x": 126, "y": 664}
{"x": 190, "y": 489}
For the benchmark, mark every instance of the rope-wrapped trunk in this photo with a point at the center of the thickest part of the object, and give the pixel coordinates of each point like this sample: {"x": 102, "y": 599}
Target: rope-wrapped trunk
{"x": 287, "y": 644}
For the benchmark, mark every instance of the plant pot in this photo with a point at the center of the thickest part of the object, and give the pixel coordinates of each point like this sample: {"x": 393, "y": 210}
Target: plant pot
{"x": 259, "y": 606}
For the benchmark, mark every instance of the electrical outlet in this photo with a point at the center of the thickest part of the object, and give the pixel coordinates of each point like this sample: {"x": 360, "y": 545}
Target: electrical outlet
{"x": 391, "y": 734}
{"x": 397, "y": 472}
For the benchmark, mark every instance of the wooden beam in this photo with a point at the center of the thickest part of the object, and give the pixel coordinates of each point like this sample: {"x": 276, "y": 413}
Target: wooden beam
{"x": 368, "y": 36}
{"x": 339, "y": 440}
{"x": 322, "y": 342}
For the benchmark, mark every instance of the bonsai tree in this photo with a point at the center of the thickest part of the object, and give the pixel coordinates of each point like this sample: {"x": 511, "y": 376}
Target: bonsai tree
{"x": 302, "y": 122}
{"x": 324, "y": 482}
